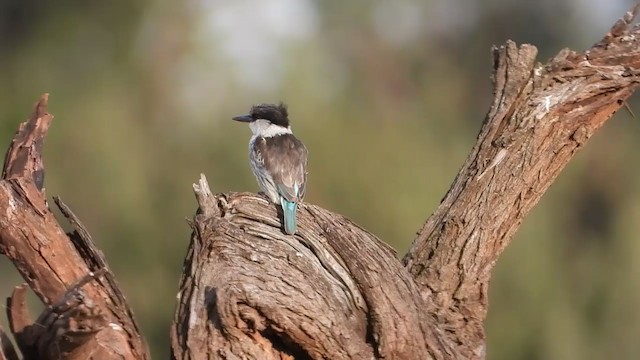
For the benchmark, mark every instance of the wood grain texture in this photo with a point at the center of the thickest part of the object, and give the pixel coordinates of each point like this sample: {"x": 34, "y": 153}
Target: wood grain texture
{"x": 540, "y": 117}
{"x": 334, "y": 291}
{"x": 86, "y": 316}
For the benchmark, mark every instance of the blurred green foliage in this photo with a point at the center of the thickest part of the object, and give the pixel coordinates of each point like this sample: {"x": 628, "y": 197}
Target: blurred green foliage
{"x": 388, "y": 96}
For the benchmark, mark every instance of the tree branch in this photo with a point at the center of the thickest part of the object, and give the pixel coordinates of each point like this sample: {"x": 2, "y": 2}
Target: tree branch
{"x": 334, "y": 291}
{"x": 86, "y": 315}
{"x": 254, "y": 292}
{"x": 540, "y": 117}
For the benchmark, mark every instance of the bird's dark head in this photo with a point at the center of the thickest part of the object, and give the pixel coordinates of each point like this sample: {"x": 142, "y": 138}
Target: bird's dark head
{"x": 275, "y": 114}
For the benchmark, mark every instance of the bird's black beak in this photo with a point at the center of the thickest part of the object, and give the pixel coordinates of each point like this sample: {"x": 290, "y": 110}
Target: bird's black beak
{"x": 243, "y": 118}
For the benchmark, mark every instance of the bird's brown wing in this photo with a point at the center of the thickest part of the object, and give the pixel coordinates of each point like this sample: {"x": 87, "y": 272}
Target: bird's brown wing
{"x": 285, "y": 158}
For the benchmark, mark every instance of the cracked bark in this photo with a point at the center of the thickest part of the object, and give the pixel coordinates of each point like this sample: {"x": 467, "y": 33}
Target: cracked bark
{"x": 334, "y": 291}
{"x": 541, "y": 116}
{"x": 86, "y": 316}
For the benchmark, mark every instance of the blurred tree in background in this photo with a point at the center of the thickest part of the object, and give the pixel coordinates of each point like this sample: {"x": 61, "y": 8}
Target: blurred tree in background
{"x": 387, "y": 95}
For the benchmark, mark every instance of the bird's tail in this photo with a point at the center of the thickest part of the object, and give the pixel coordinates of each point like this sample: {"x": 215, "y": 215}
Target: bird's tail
{"x": 289, "y": 215}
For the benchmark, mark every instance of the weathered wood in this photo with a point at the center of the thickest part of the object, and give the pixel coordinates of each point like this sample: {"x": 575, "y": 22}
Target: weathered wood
{"x": 334, "y": 291}
{"x": 20, "y": 322}
{"x": 540, "y": 117}
{"x": 86, "y": 316}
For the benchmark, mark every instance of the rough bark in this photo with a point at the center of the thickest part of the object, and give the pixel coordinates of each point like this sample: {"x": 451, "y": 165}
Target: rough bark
{"x": 334, "y": 291}
{"x": 86, "y": 316}
{"x": 540, "y": 117}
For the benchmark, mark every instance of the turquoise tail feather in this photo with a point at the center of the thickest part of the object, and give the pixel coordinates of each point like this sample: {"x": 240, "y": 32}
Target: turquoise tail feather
{"x": 289, "y": 215}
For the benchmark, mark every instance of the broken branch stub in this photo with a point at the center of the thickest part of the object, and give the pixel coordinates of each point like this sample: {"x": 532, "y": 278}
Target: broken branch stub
{"x": 250, "y": 291}
{"x": 542, "y": 114}
{"x": 331, "y": 291}
{"x": 85, "y": 315}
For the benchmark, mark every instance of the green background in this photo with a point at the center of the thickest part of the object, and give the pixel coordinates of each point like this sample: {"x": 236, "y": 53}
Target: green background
{"x": 387, "y": 95}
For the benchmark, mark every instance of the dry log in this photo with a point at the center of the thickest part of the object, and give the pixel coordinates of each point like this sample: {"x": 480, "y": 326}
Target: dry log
{"x": 86, "y": 316}
{"x": 334, "y": 291}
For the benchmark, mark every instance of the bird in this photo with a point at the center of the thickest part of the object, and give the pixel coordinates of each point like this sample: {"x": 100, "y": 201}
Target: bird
{"x": 278, "y": 159}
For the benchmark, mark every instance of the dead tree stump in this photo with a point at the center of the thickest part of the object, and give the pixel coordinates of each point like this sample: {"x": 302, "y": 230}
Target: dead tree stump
{"x": 333, "y": 290}
{"x": 86, "y": 316}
